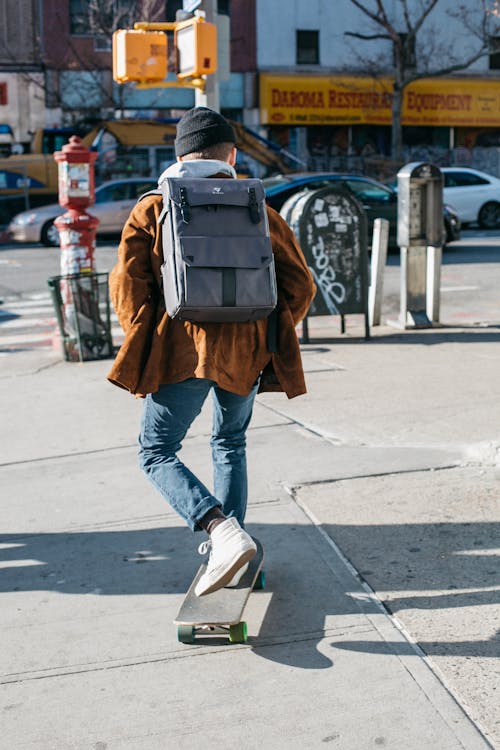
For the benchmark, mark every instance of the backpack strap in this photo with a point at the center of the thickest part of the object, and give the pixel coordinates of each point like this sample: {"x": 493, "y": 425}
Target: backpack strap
{"x": 157, "y": 191}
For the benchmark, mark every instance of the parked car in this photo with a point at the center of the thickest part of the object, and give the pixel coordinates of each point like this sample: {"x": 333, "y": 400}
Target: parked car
{"x": 475, "y": 195}
{"x": 113, "y": 202}
{"x": 378, "y": 200}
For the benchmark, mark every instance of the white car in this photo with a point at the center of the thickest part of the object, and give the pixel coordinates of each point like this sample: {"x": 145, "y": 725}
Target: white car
{"x": 475, "y": 195}
{"x": 113, "y": 203}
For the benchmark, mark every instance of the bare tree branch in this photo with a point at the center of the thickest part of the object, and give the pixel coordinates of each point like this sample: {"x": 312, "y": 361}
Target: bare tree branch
{"x": 366, "y": 11}
{"x": 481, "y": 25}
{"x": 367, "y": 36}
{"x": 425, "y": 14}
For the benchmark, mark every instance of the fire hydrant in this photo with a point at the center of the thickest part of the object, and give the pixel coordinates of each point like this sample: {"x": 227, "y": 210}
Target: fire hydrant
{"x": 77, "y": 228}
{"x": 81, "y": 305}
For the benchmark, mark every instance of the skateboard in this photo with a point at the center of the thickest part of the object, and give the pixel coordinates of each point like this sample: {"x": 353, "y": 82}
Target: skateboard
{"x": 219, "y": 613}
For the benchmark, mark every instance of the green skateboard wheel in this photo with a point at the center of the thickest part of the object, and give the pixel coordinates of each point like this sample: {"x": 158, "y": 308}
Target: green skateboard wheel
{"x": 260, "y": 581}
{"x": 238, "y": 633}
{"x": 185, "y": 633}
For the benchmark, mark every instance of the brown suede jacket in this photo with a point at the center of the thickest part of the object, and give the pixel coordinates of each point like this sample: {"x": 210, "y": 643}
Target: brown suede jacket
{"x": 158, "y": 349}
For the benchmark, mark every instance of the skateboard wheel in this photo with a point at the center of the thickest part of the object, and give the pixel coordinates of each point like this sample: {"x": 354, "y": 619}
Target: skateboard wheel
{"x": 185, "y": 633}
{"x": 260, "y": 581}
{"x": 238, "y": 633}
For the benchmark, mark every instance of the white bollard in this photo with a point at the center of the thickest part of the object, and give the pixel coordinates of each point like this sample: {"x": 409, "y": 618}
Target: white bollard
{"x": 379, "y": 256}
{"x": 434, "y": 260}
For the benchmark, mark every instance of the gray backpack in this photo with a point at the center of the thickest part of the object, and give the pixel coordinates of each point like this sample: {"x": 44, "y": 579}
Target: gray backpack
{"x": 218, "y": 260}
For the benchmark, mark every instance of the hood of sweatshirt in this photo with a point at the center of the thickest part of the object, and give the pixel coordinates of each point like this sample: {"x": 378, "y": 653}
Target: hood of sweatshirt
{"x": 197, "y": 168}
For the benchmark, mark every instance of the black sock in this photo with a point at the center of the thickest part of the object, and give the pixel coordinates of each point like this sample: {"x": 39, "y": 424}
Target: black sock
{"x": 212, "y": 519}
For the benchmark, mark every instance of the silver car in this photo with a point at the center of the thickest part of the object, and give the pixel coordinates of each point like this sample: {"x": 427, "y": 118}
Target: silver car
{"x": 113, "y": 202}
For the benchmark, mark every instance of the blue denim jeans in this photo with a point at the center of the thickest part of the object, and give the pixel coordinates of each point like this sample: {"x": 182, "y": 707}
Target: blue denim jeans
{"x": 167, "y": 416}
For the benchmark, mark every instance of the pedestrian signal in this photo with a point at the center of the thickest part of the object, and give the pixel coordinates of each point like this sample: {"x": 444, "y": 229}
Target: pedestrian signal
{"x": 196, "y": 44}
{"x": 139, "y": 56}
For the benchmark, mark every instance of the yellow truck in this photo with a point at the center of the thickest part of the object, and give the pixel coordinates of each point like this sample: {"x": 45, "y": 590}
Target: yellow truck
{"x": 30, "y": 179}
{"x": 127, "y": 148}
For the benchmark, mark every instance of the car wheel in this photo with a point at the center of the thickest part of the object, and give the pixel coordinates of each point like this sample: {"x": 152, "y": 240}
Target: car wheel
{"x": 451, "y": 234}
{"x": 50, "y": 234}
{"x": 447, "y": 236}
{"x": 489, "y": 216}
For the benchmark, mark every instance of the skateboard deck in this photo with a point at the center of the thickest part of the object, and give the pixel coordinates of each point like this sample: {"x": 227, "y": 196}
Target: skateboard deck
{"x": 220, "y": 612}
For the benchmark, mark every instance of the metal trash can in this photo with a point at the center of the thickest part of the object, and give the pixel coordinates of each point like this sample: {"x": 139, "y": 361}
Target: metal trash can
{"x": 83, "y": 310}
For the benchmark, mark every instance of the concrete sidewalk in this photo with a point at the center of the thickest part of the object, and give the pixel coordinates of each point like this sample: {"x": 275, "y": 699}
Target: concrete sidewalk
{"x": 376, "y": 498}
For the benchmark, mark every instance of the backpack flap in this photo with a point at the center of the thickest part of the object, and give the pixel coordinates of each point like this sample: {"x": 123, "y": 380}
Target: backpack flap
{"x": 228, "y": 252}
{"x": 213, "y": 191}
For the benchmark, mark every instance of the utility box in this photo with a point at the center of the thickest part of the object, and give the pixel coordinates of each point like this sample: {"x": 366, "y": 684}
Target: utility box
{"x": 420, "y": 238}
{"x": 331, "y": 228}
{"x": 420, "y": 205}
{"x": 139, "y": 56}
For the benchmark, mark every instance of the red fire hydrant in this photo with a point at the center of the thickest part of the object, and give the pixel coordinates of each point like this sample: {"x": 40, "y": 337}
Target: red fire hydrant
{"x": 76, "y": 227}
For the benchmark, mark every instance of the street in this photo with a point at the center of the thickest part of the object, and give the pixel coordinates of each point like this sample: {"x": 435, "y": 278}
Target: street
{"x": 469, "y": 288}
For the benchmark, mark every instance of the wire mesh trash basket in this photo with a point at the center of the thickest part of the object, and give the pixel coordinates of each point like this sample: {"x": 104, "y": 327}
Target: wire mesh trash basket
{"x": 83, "y": 312}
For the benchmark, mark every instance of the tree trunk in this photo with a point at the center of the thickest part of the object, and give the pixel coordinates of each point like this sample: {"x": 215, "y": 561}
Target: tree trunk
{"x": 397, "y": 128}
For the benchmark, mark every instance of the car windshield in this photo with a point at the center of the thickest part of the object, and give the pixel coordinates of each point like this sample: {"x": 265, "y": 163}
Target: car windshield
{"x": 270, "y": 182}
{"x": 120, "y": 191}
{"x": 367, "y": 191}
{"x": 463, "y": 179}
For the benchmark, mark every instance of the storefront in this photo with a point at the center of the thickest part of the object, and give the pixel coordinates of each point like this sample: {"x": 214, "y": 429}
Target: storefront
{"x": 327, "y": 119}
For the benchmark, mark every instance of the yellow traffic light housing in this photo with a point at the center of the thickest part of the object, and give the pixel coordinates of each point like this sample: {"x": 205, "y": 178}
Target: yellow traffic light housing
{"x": 139, "y": 55}
{"x": 196, "y": 44}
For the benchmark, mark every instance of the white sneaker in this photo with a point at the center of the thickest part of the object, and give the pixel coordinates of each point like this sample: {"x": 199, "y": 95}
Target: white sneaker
{"x": 230, "y": 548}
{"x": 237, "y": 577}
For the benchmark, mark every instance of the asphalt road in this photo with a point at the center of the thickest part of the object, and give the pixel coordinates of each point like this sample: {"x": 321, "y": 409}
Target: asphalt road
{"x": 470, "y": 281}
{"x": 469, "y": 288}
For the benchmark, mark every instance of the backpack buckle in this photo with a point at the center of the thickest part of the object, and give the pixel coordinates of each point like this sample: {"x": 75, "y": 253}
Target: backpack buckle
{"x": 253, "y": 206}
{"x": 185, "y": 212}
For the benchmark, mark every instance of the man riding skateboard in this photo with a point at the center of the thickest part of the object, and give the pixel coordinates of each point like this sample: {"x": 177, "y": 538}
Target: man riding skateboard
{"x": 175, "y": 364}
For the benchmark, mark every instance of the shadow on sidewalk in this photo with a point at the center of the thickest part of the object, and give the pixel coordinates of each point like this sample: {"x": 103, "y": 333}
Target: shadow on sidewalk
{"x": 163, "y": 560}
{"x": 305, "y": 601}
{"x": 430, "y": 567}
{"x": 467, "y": 649}
{"x": 429, "y": 337}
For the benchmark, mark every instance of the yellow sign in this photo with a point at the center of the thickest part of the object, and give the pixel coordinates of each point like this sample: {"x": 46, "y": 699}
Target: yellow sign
{"x": 452, "y": 102}
{"x": 350, "y": 100}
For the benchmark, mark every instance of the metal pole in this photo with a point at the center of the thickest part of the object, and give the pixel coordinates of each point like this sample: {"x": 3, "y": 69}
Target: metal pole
{"x": 210, "y": 97}
{"x": 305, "y": 331}
{"x": 414, "y": 287}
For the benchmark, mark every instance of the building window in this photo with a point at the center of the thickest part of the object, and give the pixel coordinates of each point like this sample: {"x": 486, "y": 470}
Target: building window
{"x": 102, "y": 43}
{"x": 79, "y": 22}
{"x": 307, "y": 47}
{"x": 494, "y": 57}
{"x": 171, "y": 8}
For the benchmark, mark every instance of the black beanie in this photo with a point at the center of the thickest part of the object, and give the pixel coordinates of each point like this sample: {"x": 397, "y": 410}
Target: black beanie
{"x": 201, "y": 127}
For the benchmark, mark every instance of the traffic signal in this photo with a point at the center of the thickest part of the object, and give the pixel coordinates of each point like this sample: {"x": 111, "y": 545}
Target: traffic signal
{"x": 139, "y": 56}
{"x": 196, "y": 44}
